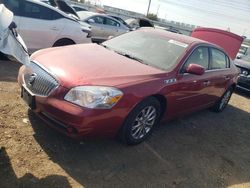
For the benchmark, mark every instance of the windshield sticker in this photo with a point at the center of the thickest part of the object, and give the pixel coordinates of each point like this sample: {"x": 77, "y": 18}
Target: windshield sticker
{"x": 178, "y": 43}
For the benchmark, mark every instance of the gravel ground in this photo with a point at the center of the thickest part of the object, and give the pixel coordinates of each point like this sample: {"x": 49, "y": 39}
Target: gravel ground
{"x": 204, "y": 149}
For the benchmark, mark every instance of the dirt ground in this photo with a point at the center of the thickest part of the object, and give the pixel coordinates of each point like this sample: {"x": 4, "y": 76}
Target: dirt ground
{"x": 204, "y": 149}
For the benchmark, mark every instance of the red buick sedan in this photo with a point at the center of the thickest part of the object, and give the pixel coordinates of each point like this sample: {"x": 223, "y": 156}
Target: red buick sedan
{"x": 126, "y": 85}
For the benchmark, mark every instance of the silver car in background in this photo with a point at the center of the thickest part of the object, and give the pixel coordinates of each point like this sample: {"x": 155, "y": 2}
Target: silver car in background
{"x": 103, "y": 26}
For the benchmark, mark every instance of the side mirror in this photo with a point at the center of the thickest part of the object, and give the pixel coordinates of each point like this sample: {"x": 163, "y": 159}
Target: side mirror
{"x": 12, "y": 26}
{"x": 91, "y": 21}
{"x": 195, "y": 69}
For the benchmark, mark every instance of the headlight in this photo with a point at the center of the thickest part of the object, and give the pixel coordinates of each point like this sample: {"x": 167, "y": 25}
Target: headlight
{"x": 94, "y": 96}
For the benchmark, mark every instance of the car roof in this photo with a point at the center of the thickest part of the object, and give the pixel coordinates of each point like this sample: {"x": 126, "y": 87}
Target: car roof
{"x": 179, "y": 37}
{"x": 86, "y": 14}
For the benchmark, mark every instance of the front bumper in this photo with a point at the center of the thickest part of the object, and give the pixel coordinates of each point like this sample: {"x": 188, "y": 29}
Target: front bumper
{"x": 244, "y": 82}
{"x": 75, "y": 121}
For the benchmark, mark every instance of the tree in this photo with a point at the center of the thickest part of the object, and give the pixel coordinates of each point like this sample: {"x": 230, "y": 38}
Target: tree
{"x": 79, "y": 1}
{"x": 152, "y": 16}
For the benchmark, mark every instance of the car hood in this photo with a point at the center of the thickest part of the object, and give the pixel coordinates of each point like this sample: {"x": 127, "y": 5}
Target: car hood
{"x": 242, "y": 63}
{"x": 92, "y": 64}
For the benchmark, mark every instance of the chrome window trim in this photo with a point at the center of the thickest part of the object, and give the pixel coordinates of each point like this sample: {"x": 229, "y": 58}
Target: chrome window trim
{"x": 207, "y": 71}
{"x": 209, "y": 46}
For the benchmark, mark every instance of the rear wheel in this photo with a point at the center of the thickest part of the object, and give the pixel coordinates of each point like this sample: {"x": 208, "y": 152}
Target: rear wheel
{"x": 222, "y": 103}
{"x": 141, "y": 121}
{"x": 63, "y": 42}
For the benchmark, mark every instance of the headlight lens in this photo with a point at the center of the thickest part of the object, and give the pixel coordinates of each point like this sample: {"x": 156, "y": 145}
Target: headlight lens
{"x": 94, "y": 96}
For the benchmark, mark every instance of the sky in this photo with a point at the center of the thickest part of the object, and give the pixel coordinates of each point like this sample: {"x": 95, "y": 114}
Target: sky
{"x": 222, "y": 14}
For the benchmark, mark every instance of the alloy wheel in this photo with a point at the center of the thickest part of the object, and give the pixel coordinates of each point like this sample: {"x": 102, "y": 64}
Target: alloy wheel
{"x": 144, "y": 122}
{"x": 225, "y": 99}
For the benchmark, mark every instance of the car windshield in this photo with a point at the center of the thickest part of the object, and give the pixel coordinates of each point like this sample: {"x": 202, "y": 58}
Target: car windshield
{"x": 148, "y": 48}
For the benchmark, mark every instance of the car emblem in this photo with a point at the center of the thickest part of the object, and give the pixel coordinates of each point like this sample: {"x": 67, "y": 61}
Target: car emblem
{"x": 170, "y": 81}
{"x": 32, "y": 79}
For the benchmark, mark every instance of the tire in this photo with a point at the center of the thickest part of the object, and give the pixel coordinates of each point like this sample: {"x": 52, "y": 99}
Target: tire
{"x": 141, "y": 121}
{"x": 3, "y": 57}
{"x": 63, "y": 42}
{"x": 222, "y": 103}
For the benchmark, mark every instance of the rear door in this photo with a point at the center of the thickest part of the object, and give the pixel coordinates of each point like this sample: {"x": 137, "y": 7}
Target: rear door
{"x": 39, "y": 25}
{"x": 220, "y": 73}
{"x": 112, "y": 28}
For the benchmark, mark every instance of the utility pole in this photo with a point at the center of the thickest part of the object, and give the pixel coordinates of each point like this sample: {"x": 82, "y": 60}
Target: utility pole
{"x": 149, "y": 4}
{"x": 158, "y": 10}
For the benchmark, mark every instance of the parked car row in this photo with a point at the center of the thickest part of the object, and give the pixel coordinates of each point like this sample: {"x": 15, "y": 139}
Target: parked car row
{"x": 103, "y": 26}
{"x": 44, "y": 26}
{"x": 50, "y": 23}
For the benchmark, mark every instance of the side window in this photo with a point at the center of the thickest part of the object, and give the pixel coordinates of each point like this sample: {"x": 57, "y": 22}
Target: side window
{"x": 111, "y": 22}
{"x": 219, "y": 59}
{"x": 200, "y": 56}
{"x": 56, "y": 15}
{"x": 35, "y": 11}
{"x": 98, "y": 19}
{"x": 13, "y": 5}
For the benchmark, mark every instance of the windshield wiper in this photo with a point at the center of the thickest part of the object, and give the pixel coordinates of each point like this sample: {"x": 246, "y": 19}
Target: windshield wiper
{"x": 131, "y": 57}
{"x": 125, "y": 54}
{"x": 105, "y": 46}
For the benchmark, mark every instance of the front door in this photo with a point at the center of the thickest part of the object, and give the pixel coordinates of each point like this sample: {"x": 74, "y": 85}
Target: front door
{"x": 194, "y": 91}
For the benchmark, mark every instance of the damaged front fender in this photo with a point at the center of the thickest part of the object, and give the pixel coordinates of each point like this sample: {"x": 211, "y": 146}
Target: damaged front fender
{"x": 11, "y": 42}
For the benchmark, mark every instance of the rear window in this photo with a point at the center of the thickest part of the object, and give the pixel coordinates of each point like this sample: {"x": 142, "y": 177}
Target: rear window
{"x": 219, "y": 59}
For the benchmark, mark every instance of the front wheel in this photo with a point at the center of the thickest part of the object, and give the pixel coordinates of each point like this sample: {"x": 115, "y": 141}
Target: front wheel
{"x": 141, "y": 121}
{"x": 222, "y": 103}
{"x": 63, "y": 42}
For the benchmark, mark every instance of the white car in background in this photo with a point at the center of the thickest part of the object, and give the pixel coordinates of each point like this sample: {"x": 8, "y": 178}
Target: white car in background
{"x": 43, "y": 26}
{"x": 244, "y": 51}
{"x": 103, "y": 26}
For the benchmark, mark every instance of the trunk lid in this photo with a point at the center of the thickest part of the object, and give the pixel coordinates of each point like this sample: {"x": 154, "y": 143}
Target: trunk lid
{"x": 230, "y": 42}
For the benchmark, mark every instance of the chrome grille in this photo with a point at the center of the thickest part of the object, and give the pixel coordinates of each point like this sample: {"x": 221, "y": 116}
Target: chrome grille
{"x": 39, "y": 81}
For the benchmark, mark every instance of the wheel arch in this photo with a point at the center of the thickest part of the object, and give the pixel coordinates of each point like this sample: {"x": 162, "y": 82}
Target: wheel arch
{"x": 233, "y": 86}
{"x": 163, "y": 102}
{"x": 63, "y": 39}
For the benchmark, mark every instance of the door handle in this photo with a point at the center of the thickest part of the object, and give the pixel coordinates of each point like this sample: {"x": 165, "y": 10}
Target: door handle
{"x": 206, "y": 83}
